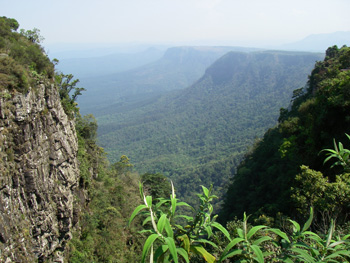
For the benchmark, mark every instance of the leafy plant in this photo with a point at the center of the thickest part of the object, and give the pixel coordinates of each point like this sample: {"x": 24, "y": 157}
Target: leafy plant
{"x": 69, "y": 92}
{"x": 340, "y": 153}
{"x": 306, "y": 246}
{"x": 168, "y": 241}
{"x": 247, "y": 248}
{"x": 172, "y": 240}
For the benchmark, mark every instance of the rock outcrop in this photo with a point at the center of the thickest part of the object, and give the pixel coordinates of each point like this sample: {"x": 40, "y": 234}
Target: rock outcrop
{"x": 39, "y": 176}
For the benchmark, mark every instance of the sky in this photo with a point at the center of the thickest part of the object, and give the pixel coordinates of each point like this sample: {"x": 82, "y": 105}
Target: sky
{"x": 215, "y": 22}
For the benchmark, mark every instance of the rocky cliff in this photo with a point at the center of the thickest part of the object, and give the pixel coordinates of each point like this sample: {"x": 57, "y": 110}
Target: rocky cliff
{"x": 39, "y": 176}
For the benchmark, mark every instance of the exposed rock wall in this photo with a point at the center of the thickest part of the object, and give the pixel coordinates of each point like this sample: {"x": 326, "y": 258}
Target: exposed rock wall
{"x": 38, "y": 176}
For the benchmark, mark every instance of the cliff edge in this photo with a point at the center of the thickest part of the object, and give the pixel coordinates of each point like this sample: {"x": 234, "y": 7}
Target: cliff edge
{"x": 39, "y": 175}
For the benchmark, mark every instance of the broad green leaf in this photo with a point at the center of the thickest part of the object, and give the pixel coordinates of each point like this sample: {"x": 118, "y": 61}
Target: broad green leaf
{"x": 209, "y": 232}
{"x": 222, "y": 229}
{"x": 310, "y": 233}
{"x": 279, "y": 233}
{"x": 287, "y": 260}
{"x": 339, "y": 253}
{"x": 231, "y": 254}
{"x": 341, "y": 147}
{"x": 199, "y": 250}
{"x": 136, "y": 211}
{"x": 183, "y": 204}
{"x": 315, "y": 238}
{"x": 182, "y": 252}
{"x": 258, "y": 253}
{"x": 205, "y": 191}
{"x": 231, "y": 245}
{"x": 168, "y": 229}
{"x": 262, "y": 239}
{"x": 172, "y": 248}
{"x": 161, "y": 202}
{"x": 161, "y": 223}
{"x": 180, "y": 227}
{"x": 329, "y": 157}
{"x": 149, "y": 200}
{"x": 240, "y": 233}
{"x": 148, "y": 219}
{"x": 346, "y": 237}
{"x": 296, "y": 225}
{"x": 186, "y": 242}
{"x": 303, "y": 254}
{"x": 206, "y": 242}
{"x": 148, "y": 245}
{"x": 337, "y": 243}
{"x": 254, "y": 230}
{"x": 308, "y": 222}
{"x": 160, "y": 252}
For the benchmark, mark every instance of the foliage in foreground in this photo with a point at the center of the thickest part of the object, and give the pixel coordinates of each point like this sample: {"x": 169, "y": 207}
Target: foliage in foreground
{"x": 175, "y": 242}
{"x": 196, "y": 241}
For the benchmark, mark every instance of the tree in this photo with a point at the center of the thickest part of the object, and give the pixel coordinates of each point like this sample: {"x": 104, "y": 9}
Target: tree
{"x": 331, "y": 199}
{"x": 156, "y": 185}
{"x": 33, "y": 35}
{"x": 10, "y": 22}
{"x": 68, "y": 92}
{"x": 123, "y": 166}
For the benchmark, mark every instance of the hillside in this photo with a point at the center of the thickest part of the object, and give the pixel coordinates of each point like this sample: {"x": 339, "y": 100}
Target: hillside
{"x": 264, "y": 180}
{"x": 177, "y": 69}
{"x": 202, "y": 131}
{"x": 52, "y": 173}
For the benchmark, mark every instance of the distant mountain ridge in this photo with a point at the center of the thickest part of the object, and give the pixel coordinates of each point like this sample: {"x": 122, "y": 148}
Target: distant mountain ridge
{"x": 178, "y": 68}
{"x": 320, "y": 42}
{"x": 108, "y": 64}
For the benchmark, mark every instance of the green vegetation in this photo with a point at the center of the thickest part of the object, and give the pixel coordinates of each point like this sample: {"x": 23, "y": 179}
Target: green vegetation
{"x": 266, "y": 181}
{"x": 68, "y": 92}
{"x": 292, "y": 170}
{"x": 196, "y": 241}
{"x": 22, "y": 59}
{"x": 200, "y": 134}
{"x": 107, "y": 193}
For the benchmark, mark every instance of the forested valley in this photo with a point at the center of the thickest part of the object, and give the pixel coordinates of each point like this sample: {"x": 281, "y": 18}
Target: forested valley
{"x": 297, "y": 172}
{"x": 249, "y": 164}
{"x": 198, "y": 135}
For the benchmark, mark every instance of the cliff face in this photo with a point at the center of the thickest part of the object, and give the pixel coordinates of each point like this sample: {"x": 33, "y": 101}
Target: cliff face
{"x": 39, "y": 176}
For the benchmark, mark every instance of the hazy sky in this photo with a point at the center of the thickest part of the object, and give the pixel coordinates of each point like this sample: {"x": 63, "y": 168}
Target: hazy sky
{"x": 230, "y": 22}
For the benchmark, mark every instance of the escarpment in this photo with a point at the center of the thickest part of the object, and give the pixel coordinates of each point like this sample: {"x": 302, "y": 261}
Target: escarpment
{"x": 39, "y": 176}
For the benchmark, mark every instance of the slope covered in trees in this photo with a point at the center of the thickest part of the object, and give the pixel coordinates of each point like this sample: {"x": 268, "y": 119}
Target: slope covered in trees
{"x": 179, "y": 68}
{"x": 266, "y": 182}
{"x": 198, "y": 135}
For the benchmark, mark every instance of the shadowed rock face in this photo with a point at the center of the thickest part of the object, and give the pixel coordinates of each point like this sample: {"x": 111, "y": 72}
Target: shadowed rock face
{"x": 39, "y": 176}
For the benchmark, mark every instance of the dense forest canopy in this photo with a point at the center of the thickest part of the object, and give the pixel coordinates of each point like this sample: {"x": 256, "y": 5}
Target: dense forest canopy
{"x": 198, "y": 135}
{"x": 319, "y": 114}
